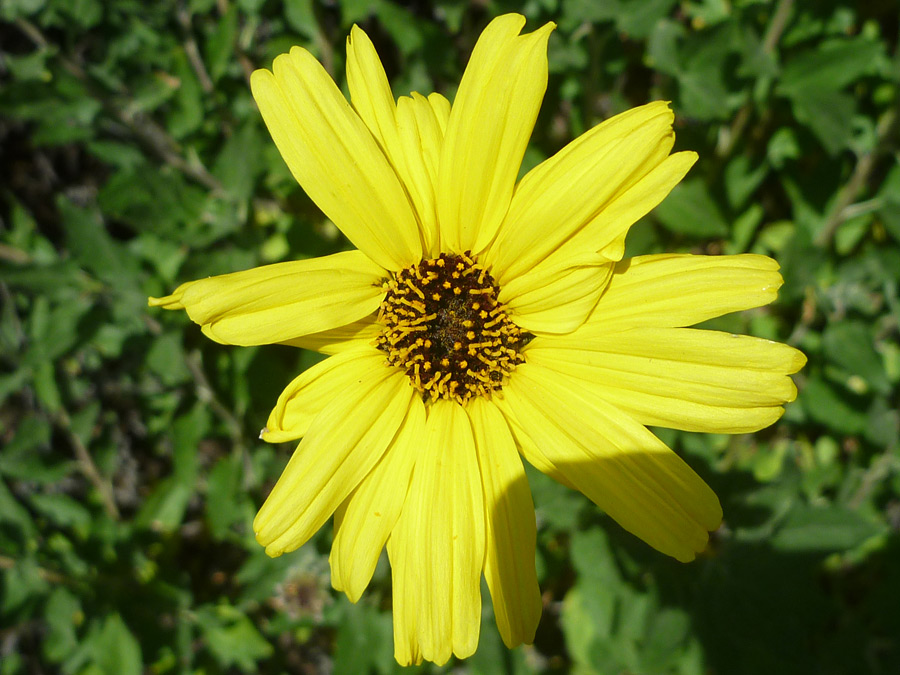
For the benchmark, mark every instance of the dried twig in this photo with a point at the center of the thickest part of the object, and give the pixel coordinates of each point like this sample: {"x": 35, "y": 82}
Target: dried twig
{"x": 770, "y": 41}
{"x": 86, "y": 464}
{"x": 191, "y": 49}
{"x": 146, "y": 131}
{"x": 843, "y": 206}
{"x": 7, "y": 563}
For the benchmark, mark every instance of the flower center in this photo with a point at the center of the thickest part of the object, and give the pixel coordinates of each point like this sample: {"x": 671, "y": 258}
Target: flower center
{"x": 446, "y": 329}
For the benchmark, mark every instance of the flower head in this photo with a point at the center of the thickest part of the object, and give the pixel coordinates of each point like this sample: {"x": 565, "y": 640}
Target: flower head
{"x": 481, "y": 320}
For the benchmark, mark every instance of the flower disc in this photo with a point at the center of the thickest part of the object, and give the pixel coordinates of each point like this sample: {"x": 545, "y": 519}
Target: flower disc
{"x": 446, "y": 329}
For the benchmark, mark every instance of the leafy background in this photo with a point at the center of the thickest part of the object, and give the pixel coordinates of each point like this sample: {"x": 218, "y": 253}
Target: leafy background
{"x": 133, "y": 158}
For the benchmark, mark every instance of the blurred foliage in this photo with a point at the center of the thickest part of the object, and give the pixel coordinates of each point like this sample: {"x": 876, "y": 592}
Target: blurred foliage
{"x": 133, "y": 158}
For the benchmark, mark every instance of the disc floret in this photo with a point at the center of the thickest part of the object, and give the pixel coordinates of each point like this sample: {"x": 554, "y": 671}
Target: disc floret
{"x": 446, "y": 329}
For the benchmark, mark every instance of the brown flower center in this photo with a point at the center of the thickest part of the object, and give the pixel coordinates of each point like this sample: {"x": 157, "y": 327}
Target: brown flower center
{"x": 446, "y": 329}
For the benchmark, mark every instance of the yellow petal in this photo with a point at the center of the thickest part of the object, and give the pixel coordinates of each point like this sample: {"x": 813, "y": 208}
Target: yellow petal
{"x": 283, "y": 301}
{"x": 527, "y": 448}
{"x": 370, "y": 91}
{"x": 607, "y": 231}
{"x": 396, "y": 128}
{"x": 336, "y": 340}
{"x": 615, "y": 462}
{"x": 343, "y": 444}
{"x": 315, "y": 388}
{"x": 510, "y": 530}
{"x": 334, "y": 157}
{"x": 172, "y": 301}
{"x": 420, "y": 139}
{"x": 489, "y": 127}
{"x": 681, "y": 290}
{"x": 550, "y": 299}
{"x": 373, "y": 508}
{"x": 681, "y": 378}
{"x": 437, "y": 546}
{"x": 406, "y": 597}
{"x": 560, "y": 196}
{"x": 441, "y": 107}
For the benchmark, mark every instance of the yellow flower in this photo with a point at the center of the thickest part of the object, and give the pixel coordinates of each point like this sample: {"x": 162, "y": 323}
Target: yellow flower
{"x": 480, "y": 320}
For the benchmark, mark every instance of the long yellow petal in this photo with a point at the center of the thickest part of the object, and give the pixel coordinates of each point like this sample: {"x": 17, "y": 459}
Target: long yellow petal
{"x": 373, "y": 508}
{"x": 340, "y": 339}
{"x": 557, "y": 299}
{"x": 437, "y": 549}
{"x": 511, "y": 531}
{"x": 441, "y": 108}
{"x": 606, "y": 232}
{"x": 527, "y": 447}
{"x": 334, "y": 157}
{"x": 370, "y": 91}
{"x": 616, "y": 462}
{"x": 405, "y": 593}
{"x": 343, "y": 444}
{"x": 670, "y": 291}
{"x": 682, "y": 378}
{"x": 315, "y": 388}
{"x": 395, "y": 127}
{"x": 489, "y": 127}
{"x": 279, "y": 302}
{"x": 557, "y": 198}
{"x": 420, "y": 139}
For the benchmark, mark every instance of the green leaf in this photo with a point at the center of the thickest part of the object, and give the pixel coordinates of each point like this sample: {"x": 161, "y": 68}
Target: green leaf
{"x": 742, "y": 179}
{"x": 889, "y": 210}
{"x": 829, "y": 115}
{"x": 159, "y": 201}
{"x": 22, "y": 583}
{"x": 31, "y": 66}
{"x": 851, "y": 346}
{"x": 91, "y": 244}
{"x": 663, "y": 53}
{"x": 232, "y": 638}
{"x": 300, "y": 16}
{"x": 166, "y": 358}
{"x": 404, "y": 28}
{"x": 45, "y": 387}
{"x": 832, "y": 409}
{"x": 634, "y": 18}
{"x": 689, "y": 209}
{"x": 85, "y": 13}
{"x": 357, "y": 11}
{"x": 704, "y": 95}
{"x": 14, "y": 9}
{"x": 831, "y": 66}
{"x": 54, "y": 331}
{"x": 222, "y": 505}
{"x": 187, "y": 112}
{"x": 831, "y": 528}
{"x": 745, "y": 226}
{"x": 164, "y": 509}
{"x": 115, "y": 649}
{"x": 364, "y": 640}
{"x": 45, "y": 278}
{"x": 241, "y": 161}
{"x": 596, "y": 566}
{"x": 221, "y": 44}
{"x": 32, "y": 433}
{"x": 556, "y": 506}
{"x": 63, "y": 511}
{"x": 62, "y": 614}
{"x": 119, "y": 155}
{"x": 12, "y": 512}
{"x": 783, "y": 146}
